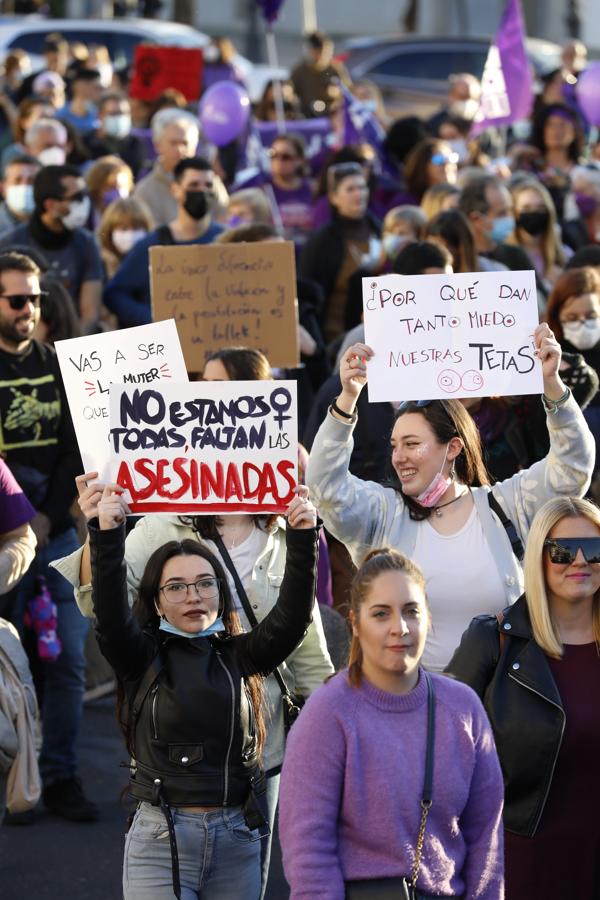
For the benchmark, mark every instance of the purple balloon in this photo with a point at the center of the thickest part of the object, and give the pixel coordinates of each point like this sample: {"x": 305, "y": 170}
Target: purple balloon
{"x": 224, "y": 112}
{"x": 588, "y": 92}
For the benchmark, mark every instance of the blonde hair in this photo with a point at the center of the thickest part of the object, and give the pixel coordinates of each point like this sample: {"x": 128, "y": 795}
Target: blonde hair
{"x": 256, "y": 201}
{"x": 98, "y": 174}
{"x": 410, "y": 214}
{"x": 435, "y": 196}
{"x": 552, "y": 252}
{"x": 127, "y": 212}
{"x": 375, "y": 563}
{"x": 545, "y": 630}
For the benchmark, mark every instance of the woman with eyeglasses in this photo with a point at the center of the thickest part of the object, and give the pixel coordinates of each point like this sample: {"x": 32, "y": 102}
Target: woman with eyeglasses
{"x": 438, "y": 507}
{"x": 337, "y": 255}
{"x": 537, "y": 670}
{"x": 191, "y": 682}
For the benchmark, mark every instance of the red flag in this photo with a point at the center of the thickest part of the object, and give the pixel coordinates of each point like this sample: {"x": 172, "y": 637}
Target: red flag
{"x": 156, "y": 69}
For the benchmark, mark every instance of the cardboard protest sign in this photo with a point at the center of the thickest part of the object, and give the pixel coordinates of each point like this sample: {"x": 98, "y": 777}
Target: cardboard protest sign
{"x": 142, "y": 355}
{"x": 440, "y": 336}
{"x": 227, "y": 295}
{"x": 157, "y": 69}
{"x": 205, "y": 447}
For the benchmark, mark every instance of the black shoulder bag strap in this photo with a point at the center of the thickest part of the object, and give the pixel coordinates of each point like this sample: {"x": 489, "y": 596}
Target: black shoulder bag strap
{"x": 241, "y": 592}
{"x": 515, "y": 540}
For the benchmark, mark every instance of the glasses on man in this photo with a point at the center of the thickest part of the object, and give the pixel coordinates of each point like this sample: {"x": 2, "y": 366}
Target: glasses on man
{"x": 444, "y": 159}
{"x": 20, "y": 301}
{"x": 562, "y": 551}
{"x": 205, "y": 588}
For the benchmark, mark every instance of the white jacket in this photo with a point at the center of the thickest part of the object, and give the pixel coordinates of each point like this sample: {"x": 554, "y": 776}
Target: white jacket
{"x": 304, "y": 671}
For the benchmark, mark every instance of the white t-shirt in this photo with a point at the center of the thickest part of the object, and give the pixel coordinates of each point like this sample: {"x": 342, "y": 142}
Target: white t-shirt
{"x": 243, "y": 557}
{"x": 462, "y": 582}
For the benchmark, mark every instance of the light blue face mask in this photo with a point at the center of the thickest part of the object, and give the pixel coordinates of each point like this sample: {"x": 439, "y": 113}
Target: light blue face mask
{"x": 215, "y": 628}
{"x": 501, "y": 229}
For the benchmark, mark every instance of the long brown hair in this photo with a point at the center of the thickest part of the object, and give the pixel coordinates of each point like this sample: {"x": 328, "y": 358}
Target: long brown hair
{"x": 144, "y": 611}
{"x": 374, "y": 564}
{"x": 448, "y": 419}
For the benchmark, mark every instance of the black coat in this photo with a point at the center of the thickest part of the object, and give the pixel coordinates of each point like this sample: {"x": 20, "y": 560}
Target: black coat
{"x": 195, "y": 729}
{"x": 524, "y": 707}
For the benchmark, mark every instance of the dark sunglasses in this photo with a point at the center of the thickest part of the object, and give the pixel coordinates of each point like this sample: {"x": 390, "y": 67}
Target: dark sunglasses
{"x": 76, "y": 198}
{"x": 284, "y": 157}
{"x": 562, "y": 551}
{"x": 19, "y": 301}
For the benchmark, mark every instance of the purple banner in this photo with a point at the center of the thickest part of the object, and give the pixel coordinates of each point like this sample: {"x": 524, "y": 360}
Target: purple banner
{"x": 361, "y": 125}
{"x": 507, "y": 81}
{"x": 270, "y": 9}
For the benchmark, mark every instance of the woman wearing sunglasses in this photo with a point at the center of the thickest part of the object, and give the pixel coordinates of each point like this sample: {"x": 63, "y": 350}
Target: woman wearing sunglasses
{"x": 537, "y": 670}
{"x": 438, "y": 507}
{"x": 193, "y": 712}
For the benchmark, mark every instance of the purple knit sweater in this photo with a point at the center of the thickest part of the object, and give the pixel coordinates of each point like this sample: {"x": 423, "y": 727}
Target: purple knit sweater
{"x": 351, "y": 786}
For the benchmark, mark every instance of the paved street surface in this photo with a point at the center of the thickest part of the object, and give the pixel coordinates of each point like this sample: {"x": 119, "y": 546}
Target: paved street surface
{"x": 58, "y": 860}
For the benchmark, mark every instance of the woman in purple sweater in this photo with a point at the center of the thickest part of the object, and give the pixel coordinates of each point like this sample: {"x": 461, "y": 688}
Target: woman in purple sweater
{"x": 354, "y": 771}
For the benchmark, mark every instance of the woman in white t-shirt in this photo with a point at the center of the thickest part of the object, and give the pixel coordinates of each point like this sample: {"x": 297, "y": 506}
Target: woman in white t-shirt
{"x": 437, "y": 508}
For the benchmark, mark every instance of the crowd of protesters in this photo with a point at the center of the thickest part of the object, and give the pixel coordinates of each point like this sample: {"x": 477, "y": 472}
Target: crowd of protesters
{"x": 457, "y": 554}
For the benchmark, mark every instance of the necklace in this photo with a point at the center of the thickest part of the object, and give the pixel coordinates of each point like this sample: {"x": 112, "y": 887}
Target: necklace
{"x": 438, "y": 509}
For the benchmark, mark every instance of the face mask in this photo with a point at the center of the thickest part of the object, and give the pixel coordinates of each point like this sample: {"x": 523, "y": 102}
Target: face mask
{"x": 583, "y": 335}
{"x": 586, "y": 205}
{"x": 52, "y": 156}
{"x": 117, "y": 126}
{"x": 211, "y": 54}
{"x": 124, "y": 238}
{"x": 392, "y": 243}
{"x": 501, "y": 229}
{"x": 436, "y": 490}
{"x": 459, "y": 146}
{"x": 464, "y": 109}
{"x": 19, "y": 199}
{"x": 196, "y": 204}
{"x": 215, "y": 628}
{"x": 534, "y": 223}
{"x": 79, "y": 213}
{"x": 236, "y": 221}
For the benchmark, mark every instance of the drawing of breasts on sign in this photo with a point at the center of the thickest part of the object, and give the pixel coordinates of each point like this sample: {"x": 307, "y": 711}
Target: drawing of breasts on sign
{"x": 143, "y": 355}
{"x": 437, "y": 336}
{"x": 228, "y": 295}
{"x": 205, "y": 447}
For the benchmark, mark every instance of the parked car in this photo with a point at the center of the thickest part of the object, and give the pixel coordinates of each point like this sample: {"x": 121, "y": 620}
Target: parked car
{"x": 412, "y": 72}
{"x": 121, "y": 37}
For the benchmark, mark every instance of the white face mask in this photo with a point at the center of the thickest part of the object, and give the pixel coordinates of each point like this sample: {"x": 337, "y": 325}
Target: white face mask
{"x": 393, "y": 243}
{"x": 118, "y": 126}
{"x": 79, "y": 213}
{"x": 464, "y": 109}
{"x": 19, "y": 199}
{"x": 124, "y": 238}
{"x": 583, "y": 335}
{"x": 52, "y": 156}
{"x": 371, "y": 258}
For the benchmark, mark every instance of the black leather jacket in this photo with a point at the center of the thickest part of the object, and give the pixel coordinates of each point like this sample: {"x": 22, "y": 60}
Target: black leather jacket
{"x": 523, "y": 705}
{"x": 194, "y": 733}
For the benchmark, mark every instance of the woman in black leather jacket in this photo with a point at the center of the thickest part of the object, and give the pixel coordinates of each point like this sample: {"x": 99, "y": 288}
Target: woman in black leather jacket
{"x": 537, "y": 669}
{"x": 192, "y": 684}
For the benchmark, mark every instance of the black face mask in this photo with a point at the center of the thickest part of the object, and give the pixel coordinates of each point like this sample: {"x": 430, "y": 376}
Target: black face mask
{"x": 196, "y": 204}
{"x": 534, "y": 223}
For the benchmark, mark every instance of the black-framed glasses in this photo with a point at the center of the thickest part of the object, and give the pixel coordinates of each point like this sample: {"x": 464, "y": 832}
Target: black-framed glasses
{"x": 19, "y": 301}
{"x": 205, "y": 588}
{"x": 76, "y": 198}
{"x": 562, "y": 551}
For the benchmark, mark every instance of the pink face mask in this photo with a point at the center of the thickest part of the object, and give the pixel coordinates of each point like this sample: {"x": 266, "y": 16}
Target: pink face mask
{"x": 437, "y": 488}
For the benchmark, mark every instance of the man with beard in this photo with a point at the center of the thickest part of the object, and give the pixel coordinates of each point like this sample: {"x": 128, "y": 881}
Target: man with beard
{"x": 127, "y": 294}
{"x": 38, "y": 443}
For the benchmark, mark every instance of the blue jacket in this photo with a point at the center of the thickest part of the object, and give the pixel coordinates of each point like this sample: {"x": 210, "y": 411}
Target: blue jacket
{"x": 127, "y": 294}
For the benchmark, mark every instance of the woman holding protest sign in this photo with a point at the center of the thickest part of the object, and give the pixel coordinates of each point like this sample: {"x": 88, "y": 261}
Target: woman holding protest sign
{"x": 252, "y": 551}
{"x": 186, "y": 669}
{"x": 439, "y": 507}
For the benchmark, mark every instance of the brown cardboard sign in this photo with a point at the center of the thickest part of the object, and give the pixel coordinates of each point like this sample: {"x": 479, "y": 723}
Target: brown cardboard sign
{"x": 228, "y": 295}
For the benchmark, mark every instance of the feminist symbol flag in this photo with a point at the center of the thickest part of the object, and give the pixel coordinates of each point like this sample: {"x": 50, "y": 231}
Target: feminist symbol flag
{"x": 507, "y": 82}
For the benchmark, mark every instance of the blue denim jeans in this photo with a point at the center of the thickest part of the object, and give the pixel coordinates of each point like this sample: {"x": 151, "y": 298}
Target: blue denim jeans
{"x": 269, "y": 809}
{"x": 63, "y": 679}
{"x": 219, "y": 857}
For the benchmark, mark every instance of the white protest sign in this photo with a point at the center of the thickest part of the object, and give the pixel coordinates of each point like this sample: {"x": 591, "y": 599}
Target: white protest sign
{"x": 441, "y": 336}
{"x": 141, "y": 355}
{"x": 205, "y": 447}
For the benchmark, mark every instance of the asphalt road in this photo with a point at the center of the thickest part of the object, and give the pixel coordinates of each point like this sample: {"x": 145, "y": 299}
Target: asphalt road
{"x": 58, "y": 860}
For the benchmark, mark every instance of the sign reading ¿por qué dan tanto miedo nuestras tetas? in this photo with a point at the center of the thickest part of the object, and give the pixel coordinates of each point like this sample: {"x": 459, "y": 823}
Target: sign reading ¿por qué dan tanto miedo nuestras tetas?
{"x": 442, "y": 336}
{"x": 205, "y": 447}
{"x": 229, "y": 295}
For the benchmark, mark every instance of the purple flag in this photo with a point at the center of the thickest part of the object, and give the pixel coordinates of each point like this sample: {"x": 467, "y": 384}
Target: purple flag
{"x": 360, "y": 124}
{"x": 270, "y": 9}
{"x": 507, "y": 81}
